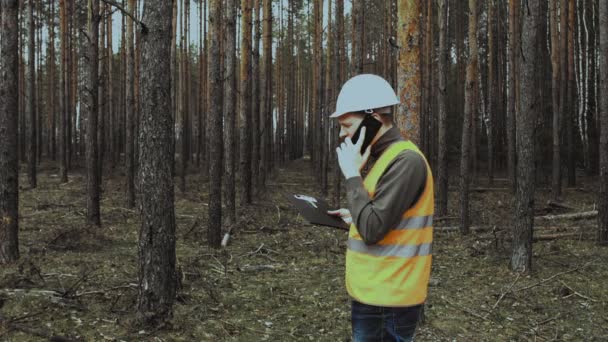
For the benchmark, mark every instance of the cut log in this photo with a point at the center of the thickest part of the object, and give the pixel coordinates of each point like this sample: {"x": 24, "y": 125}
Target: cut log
{"x": 574, "y": 216}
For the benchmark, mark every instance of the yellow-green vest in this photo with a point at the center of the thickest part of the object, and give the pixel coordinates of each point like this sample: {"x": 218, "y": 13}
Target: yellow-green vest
{"x": 395, "y": 271}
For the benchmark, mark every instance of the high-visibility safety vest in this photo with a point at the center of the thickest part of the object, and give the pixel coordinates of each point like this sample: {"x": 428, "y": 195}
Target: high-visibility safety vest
{"x": 394, "y": 272}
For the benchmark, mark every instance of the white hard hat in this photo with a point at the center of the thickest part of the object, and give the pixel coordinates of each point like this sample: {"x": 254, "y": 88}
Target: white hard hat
{"x": 364, "y": 92}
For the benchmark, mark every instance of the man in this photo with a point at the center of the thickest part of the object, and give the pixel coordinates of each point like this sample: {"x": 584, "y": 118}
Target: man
{"x": 388, "y": 260}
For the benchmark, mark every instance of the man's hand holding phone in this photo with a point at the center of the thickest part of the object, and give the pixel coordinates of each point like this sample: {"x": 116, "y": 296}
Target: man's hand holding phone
{"x": 349, "y": 156}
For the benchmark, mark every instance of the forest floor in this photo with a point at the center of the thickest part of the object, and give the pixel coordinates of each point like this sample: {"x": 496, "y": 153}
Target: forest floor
{"x": 281, "y": 279}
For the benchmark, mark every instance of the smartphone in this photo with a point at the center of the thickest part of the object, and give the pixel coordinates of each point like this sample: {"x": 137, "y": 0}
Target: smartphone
{"x": 372, "y": 126}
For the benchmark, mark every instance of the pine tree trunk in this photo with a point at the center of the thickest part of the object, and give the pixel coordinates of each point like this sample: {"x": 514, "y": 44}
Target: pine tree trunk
{"x": 230, "y": 113}
{"x": 52, "y": 85}
{"x": 92, "y": 105}
{"x": 317, "y": 105}
{"x": 245, "y": 105}
{"x": 408, "y": 116}
{"x": 32, "y": 152}
{"x": 470, "y": 110}
{"x": 358, "y": 8}
{"x": 340, "y": 75}
{"x": 442, "y": 179}
{"x": 130, "y": 111}
{"x": 329, "y": 99}
{"x": 571, "y": 108}
{"x": 102, "y": 94}
{"x": 555, "y": 94}
{"x": 64, "y": 97}
{"x": 110, "y": 99}
{"x": 215, "y": 129}
{"x": 603, "y": 148}
{"x": 9, "y": 119}
{"x": 529, "y": 107}
{"x": 491, "y": 88}
{"x": 266, "y": 95}
{"x": 255, "y": 98}
{"x": 157, "y": 276}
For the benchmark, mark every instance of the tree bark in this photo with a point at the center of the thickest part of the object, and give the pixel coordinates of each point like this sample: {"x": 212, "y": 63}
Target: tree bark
{"x": 9, "y": 119}
{"x": 470, "y": 110}
{"x": 491, "y": 88}
{"x": 442, "y": 179}
{"x": 92, "y": 106}
{"x": 602, "y": 238}
{"x": 255, "y": 98}
{"x": 245, "y": 105}
{"x": 571, "y": 108}
{"x": 266, "y": 96}
{"x": 157, "y": 276}
{"x": 215, "y": 129}
{"x": 529, "y": 107}
{"x": 32, "y": 152}
{"x": 555, "y": 96}
{"x": 230, "y": 112}
{"x": 339, "y": 67}
{"x": 130, "y": 112}
{"x": 408, "y": 115}
{"x": 64, "y": 103}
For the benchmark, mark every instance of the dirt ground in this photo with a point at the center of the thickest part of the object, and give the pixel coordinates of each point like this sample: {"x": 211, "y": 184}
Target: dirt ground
{"x": 281, "y": 279}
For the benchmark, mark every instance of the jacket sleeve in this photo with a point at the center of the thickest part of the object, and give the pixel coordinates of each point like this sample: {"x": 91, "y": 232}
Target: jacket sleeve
{"x": 397, "y": 190}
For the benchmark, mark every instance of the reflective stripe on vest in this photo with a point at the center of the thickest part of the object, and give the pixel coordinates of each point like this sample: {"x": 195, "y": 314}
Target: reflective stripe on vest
{"x": 396, "y": 270}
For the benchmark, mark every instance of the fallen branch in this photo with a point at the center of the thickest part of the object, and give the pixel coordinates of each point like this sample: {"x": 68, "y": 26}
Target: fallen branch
{"x": 574, "y": 293}
{"x": 504, "y": 293}
{"x": 575, "y": 216}
{"x": 554, "y": 276}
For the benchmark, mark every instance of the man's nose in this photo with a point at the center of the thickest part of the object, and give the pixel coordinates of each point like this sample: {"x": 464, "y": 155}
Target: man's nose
{"x": 343, "y": 134}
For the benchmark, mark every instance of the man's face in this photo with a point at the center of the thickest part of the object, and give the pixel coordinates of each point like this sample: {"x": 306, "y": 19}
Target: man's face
{"x": 349, "y": 124}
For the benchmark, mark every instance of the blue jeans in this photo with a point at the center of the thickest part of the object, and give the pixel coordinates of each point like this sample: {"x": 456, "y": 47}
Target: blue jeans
{"x": 376, "y": 323}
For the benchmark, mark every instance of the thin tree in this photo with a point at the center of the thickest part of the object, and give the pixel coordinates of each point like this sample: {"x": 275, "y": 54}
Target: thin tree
{"x": 215, "y": 129}
{"x": 51, "y": 82}
{"x": 339, "y": 69}
{"x": 442, "y": 179}
{"x": 491, "y": 87}
{"x": 266, "y": 95}
{"x": 102, "y": 87}
{"x": 32, "y": 152}
{"x": 470, "y": 109}
{"x": 521, "y": 257}
{"x": 245, "y": 105}
{"x": 555, "y": 94}
{"x": 357, "y": 52}
{"x": 157, "y": 276}
{"x": 64, "y": 103}
{"x": 602, "y": 238}
{"x": 9, "y": 119}
{"x": 329, "y": 100}
{"x": 230, "y": 97}
{"x": 92, "y": 186}
{"x": 130, "y": 110}
{"x": 408, "y": 74}
{"x": 569, "y": 117}
{"x": 255, "y": 96}
{"x": 110, "y": 93}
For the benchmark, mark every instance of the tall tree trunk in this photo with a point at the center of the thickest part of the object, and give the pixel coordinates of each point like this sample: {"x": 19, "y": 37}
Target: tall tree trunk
{"x": 157, "y": 276}
{"x": 52, "y": 85}
{"x": 317, "y": 82}
{"x": 329, "y": 100}
{"x": 245, "y": 104}
{"x": 110, "y": 94}
{"x": 64, "y": 103}
{"x": 266, "y": 95}
{"x": 529, "y": 106}
{"x": 563, "y": 91}
{"x": 357, "y": 18}
{"x": 180, "y": 98}
{"x": 92, "y": 106}
{"x": 130, "y": 111}
{"x": 230, "y": 112}
{"x": 470, "y": 110}
{"x": 215, "y": 129}
{"x": 408, "y": 116}
{"x": 491, "y": 88}
{"x": 32, "y": 152}
{"x": 255, "y": 98}
{"x": 340, "y": 75}
{"x": 555, "y": 95}
{"x": 513, "y": 100}
{"x": 571, "y": 95}
{"x": 9, "y": 119}
{"x": 442, "y": 179}
{"x": 602, "y": 238}
{"x": 102, "y": 88}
